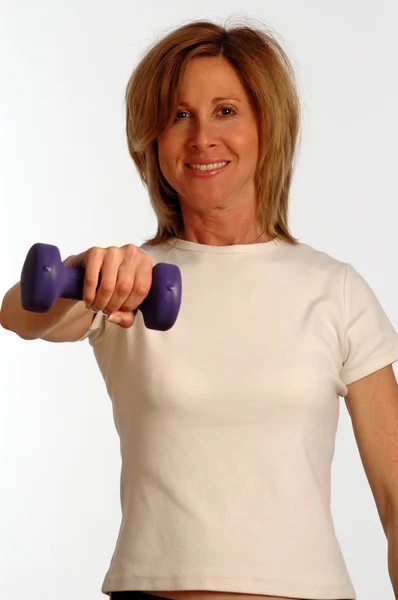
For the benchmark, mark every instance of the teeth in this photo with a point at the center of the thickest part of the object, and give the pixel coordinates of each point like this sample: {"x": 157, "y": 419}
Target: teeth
{"x": 208, "y": 167}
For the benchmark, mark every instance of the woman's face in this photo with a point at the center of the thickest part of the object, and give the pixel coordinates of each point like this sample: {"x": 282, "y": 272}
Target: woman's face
{"x": 214, "y": 123}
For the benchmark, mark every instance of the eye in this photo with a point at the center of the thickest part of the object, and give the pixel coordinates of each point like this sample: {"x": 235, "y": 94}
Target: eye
{"x": 222, "y": 108}
{"x": 180, "y": 112}
{"x": 228, "y": 108}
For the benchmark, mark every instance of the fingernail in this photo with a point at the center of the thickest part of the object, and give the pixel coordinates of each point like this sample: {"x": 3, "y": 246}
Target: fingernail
{"x": 113, "y": 319}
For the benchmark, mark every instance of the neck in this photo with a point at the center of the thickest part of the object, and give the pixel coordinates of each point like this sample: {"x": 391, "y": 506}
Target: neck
{"x": 215, "y": 239}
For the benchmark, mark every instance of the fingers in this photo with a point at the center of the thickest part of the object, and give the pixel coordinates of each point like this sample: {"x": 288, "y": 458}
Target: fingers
{"x": 140, "y": 287}
{"x": 123, "y": 318}
{"x": 117, "y": 280}
{"x": 109, "y": 278}
{"x": 92, "y": 263}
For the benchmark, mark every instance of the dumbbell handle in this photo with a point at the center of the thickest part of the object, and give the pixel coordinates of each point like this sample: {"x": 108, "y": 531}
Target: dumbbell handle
{"x": 73, "y": 281}
{"x": 45, "y": 278}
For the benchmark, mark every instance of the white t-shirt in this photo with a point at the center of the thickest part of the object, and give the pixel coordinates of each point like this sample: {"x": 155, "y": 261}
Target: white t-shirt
{"x": 227, "y": 421}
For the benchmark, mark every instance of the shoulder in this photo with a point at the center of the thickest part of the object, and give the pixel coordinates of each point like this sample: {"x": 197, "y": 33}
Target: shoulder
{"x": 157, "y": 252}
{"x": 313, "y": 259}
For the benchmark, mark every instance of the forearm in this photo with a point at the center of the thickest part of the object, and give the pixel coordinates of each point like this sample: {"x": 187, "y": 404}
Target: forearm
{"x": 392, "y": 537}
{"x": 30, "y": 325}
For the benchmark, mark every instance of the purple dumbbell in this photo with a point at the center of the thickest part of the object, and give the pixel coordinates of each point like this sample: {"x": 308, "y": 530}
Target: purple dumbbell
{"x": 45, "y": 278}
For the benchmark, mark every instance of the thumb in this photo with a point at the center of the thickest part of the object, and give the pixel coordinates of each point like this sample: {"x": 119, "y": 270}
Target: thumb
{"x": 123, "y": 318}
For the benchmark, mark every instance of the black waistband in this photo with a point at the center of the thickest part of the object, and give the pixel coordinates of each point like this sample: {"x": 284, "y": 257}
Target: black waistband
{"x": 136, "y": 594}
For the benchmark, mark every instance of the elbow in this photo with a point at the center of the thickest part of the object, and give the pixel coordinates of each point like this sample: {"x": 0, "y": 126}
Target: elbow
{"x": 7, "y": 327}
{"x": 3, "y": 321}
{"x": 390, "y": 519}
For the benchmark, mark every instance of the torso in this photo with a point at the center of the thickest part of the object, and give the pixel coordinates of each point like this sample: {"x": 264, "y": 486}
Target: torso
{"x": 209, "y": 595}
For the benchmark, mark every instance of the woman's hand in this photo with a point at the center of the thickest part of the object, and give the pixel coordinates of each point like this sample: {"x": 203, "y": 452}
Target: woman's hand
{"x": 116, "y": 280}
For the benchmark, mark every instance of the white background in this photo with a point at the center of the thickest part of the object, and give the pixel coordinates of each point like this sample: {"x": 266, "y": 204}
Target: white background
{"x": 66, "y": 178}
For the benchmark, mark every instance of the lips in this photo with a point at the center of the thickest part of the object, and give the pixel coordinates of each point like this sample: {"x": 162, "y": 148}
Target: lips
{"x": 208, "y": 173}
{"x": 207, "y": 162}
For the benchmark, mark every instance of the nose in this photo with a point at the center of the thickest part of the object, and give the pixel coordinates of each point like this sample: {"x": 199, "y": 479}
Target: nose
{"x": 203, "y": 134}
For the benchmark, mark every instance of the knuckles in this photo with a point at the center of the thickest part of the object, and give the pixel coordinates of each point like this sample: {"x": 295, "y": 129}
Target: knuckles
{"x": 143, "y": 289}
{"x": 129, "y": 257}
{"x": 106, "y": 286}
{"x": 123, "y": 288}
{"x": 94, "y": 250}
{"x": 130, "y": 250}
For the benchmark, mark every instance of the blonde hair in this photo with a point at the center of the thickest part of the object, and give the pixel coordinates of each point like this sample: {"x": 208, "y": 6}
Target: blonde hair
{"x": 268, "y": 78}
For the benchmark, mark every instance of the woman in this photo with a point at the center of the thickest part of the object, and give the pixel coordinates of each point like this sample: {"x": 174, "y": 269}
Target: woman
{"x": 227, "y": 421}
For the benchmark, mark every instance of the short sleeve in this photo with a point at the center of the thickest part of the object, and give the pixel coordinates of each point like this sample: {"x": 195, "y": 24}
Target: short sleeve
{"x": 371, "y": 341}
{"x": 95, "y": 333}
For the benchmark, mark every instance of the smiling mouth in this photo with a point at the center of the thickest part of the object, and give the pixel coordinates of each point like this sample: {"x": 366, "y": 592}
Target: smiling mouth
{"x": 208, "y": 166}
{"x": 207, "y": 171}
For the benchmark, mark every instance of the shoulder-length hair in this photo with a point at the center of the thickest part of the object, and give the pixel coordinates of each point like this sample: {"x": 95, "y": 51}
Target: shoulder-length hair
{"x": 268, "y": 78}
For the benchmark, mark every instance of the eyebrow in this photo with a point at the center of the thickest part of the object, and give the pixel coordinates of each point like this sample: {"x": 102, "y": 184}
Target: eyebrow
{"x": 217, "y": 99}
